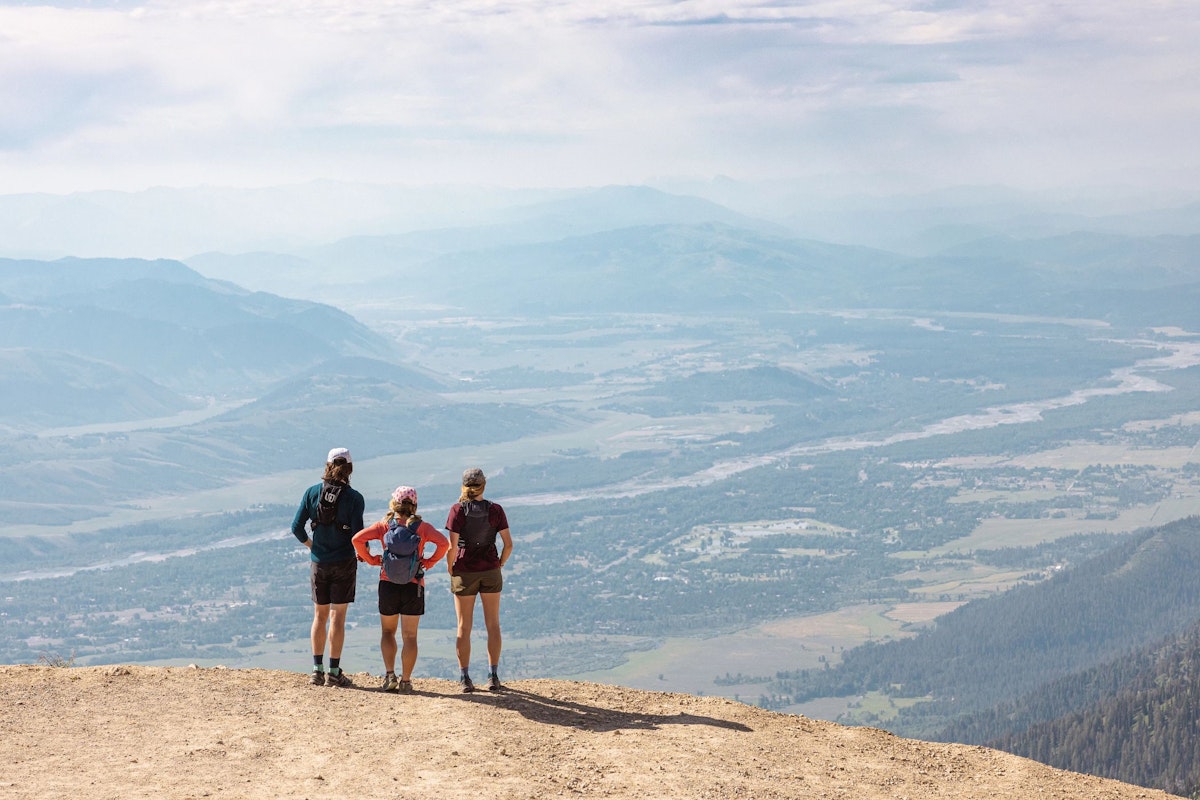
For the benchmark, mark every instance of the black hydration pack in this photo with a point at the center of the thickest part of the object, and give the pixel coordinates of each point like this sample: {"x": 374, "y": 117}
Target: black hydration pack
{"x": 327, "y": 502}
{"x": 477, "y": 532}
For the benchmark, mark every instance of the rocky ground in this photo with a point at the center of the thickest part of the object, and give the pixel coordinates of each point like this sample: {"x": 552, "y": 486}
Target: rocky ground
{"x": 146, "y": 732}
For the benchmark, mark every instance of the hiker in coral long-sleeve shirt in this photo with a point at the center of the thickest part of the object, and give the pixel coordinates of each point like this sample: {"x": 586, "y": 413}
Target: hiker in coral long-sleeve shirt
{"x": 400, "y": 604}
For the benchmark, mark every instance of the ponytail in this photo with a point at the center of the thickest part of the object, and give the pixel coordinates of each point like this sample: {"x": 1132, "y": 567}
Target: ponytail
{"x": 402, "y": 510}
{"x": 471, "y": 492}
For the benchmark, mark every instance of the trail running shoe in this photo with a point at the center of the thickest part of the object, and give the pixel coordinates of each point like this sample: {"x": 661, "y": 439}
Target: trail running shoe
{"x": 465, "y": 683}
{"x": 317, "y": 678}
{"x": 338, "y": 679}
{"x": 390, "y": 684}
{"x": 494, "y": 683}
{"x": 405, "y": 687}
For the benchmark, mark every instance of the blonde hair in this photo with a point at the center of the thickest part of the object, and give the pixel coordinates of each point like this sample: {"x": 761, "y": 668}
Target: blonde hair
{"x": 402, "y": 510}
{"x": 471, "y": 492}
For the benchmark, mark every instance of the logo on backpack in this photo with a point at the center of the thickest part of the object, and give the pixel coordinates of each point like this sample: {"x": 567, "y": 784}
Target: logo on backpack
{"x": 402, "y": 552}
{"x": 327, "y": 502}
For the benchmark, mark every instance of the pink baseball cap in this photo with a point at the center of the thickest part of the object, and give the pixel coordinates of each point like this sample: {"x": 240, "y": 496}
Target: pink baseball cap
{"x": 403, "y": 493}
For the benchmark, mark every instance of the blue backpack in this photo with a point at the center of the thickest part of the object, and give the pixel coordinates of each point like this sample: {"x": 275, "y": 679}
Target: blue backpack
{"x": 402, "y": 552}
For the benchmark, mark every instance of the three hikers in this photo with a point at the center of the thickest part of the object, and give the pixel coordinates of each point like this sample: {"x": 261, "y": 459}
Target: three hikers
{"x": 333, "y": 512}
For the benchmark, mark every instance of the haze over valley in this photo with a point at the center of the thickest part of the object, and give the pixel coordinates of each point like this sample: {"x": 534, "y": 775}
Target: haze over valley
{"x": 848, "y": 370}
{"x": 730, "y": 454}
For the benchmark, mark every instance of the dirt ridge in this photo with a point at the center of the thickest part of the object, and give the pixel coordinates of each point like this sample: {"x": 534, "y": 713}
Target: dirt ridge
{"x": 181, "y": 732}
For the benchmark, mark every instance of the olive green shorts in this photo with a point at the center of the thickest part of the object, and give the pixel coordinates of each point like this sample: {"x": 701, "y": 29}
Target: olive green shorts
{"x": 470, "y": 584}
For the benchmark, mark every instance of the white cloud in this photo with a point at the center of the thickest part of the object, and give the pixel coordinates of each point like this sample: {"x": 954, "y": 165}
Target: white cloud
{"x": 544, "y": 92}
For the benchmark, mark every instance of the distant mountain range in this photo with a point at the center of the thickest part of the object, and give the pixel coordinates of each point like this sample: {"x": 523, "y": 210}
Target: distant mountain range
{"x": 182, "y": 222}
{"x": 659, "y": 268}
{"x": 636, "y": 248}
{"x": 91, "y": 344}
{"x": 394, "y": 261}
{"x": 191, "y": 335}
{"x": 632, "y": 249}
{"x": 146, "y": 338}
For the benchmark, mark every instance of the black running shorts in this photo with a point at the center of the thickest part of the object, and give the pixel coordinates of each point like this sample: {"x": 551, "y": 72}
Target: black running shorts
{"x": 401, "y": 598}
{"x": 333, "y": 583}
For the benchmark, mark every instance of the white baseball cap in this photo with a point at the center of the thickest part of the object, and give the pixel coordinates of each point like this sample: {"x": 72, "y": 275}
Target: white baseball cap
{"x": 339, "y": 452}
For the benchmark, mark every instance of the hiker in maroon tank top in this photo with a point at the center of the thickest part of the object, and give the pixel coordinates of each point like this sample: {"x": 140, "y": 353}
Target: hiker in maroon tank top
{"x": 476, "y": 569}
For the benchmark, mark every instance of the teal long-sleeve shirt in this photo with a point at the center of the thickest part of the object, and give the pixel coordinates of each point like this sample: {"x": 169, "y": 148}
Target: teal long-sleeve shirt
{"x": 330, "y": 543}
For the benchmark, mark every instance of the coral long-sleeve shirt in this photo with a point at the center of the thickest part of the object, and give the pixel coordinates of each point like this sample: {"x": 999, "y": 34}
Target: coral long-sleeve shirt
{"x": 375, "y": 532}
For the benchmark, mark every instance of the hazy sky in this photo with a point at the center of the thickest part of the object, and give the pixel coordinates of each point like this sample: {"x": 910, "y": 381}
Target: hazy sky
{"x": 1028, "y": 93}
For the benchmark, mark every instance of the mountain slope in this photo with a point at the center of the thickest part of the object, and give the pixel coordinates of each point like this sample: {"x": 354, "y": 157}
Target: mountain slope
{"x": 687, "y": 262}
{"x": 55, "y": 388}
{"x": 613, "y": 207}
{"x": 674, "y": 267}
{"x": 989, "y": 651}
{"x": 334, "y": 267}
{"x": 1117, "y": 262}
{"x": 1143, "y": 280}
{"x": 141, "y": 732}
{"x": 170, "y": 324}
{"x": 385, "y": 407}
{"x": 1143, "y": 723}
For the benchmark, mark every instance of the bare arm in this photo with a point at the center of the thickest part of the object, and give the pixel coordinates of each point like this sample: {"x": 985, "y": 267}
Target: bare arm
{"x": 452, "y": 553}
{"x": 506, "y": 536}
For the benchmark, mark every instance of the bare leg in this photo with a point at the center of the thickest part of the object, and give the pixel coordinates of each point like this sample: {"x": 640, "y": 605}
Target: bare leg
{"x": 408, "y": 637}
{"x": 337, "y": 628}
{"x": 387, "y": 641}
{"x": 465, "y": 608}
{"x": 320, "y": 622}
{"x": 491, "y": 619}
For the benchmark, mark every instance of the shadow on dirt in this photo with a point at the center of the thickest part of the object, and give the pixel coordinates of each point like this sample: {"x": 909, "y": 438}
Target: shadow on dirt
{"x": 551, "y": 711}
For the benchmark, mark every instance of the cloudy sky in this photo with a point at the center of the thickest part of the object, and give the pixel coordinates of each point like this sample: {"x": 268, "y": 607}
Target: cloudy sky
{"x": 1027, "y": 93}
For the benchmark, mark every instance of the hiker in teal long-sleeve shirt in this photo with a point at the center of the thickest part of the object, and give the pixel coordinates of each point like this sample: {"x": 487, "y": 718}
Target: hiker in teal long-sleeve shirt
{"x": 334, "y": 513}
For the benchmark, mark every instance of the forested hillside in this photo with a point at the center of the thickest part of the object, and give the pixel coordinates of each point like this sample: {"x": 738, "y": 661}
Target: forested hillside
{"x": 1142, "y": 727}
{"x": 1139, "y": 592}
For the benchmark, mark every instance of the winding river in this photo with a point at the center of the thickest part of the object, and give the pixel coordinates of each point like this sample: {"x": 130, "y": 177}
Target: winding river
{"x": 1136, "y": 378}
